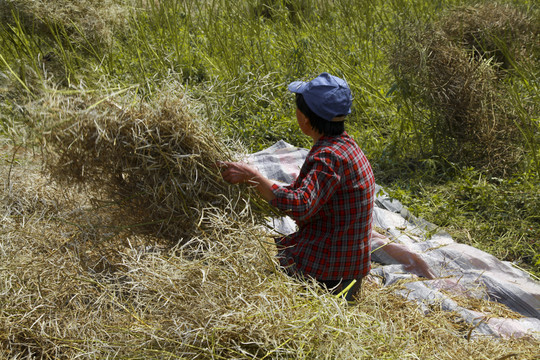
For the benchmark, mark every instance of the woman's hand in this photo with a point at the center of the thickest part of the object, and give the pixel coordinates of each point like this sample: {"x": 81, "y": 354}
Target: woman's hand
{"x": 238, "y": 173}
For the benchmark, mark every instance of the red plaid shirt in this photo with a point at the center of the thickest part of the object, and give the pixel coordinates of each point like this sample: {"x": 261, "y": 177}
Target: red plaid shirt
{"x": 332, "y": 202}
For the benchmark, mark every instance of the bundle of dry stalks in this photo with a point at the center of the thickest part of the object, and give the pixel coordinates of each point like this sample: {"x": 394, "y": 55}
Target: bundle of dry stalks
{"x": 155, "y": 159}
{"x": 72, "y": 289}
{"x": 89, "y": 21}
{"x": 453, "y": 68}
{"x": 500, "y": 32}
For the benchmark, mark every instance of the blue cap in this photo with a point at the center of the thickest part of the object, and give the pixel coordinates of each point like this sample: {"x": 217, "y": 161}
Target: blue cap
{"x": 327, "y": 96}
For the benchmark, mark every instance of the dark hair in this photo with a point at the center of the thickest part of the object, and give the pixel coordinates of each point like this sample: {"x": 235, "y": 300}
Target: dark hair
{"x": 325, "y": 127}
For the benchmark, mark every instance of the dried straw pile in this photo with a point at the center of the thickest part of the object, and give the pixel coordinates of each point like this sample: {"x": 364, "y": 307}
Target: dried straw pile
{"x": 156, "y": 160}
{"x": 454, "y": 69}
{"x": 88, "y": 21}
{"x": 74, "y": 283}
{"x": 215, "y": 297}
{"x": 72, "y": 286}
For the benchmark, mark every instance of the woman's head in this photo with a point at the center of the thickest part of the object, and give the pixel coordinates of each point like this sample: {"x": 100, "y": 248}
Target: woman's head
{"x": 324, "y": 127}
{"x": 325, "y": 101}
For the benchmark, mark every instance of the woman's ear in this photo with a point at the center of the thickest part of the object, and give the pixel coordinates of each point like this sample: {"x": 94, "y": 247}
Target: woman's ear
{"x": 304, "y": 119}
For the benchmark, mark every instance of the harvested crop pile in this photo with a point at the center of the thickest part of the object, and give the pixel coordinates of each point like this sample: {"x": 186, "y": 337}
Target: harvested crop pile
{"x": 91, "y": 21}
{"x": 72, "y": 289}
{"x": 156, "y": 160}
{"x": 58, "y": 37}
{"x": 217, "y": 296}
{"x": 457, "y": 74}
{"x": 504, "y": 33}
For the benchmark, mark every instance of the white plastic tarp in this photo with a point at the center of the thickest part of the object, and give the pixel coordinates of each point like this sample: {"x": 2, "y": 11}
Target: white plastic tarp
{"x": 413, "y": 249}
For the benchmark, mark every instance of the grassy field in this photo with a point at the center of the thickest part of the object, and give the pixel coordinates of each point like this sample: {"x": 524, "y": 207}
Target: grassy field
{"x": 146, "y": 254}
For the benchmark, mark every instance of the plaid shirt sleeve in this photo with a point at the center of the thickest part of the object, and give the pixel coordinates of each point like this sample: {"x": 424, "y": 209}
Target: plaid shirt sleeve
{"x": 304, "y": 199}
{"x": 332, "y": 203}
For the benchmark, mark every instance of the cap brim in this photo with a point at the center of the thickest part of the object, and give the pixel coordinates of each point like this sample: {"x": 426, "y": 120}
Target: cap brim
{"x": 297, "y": 87}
